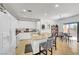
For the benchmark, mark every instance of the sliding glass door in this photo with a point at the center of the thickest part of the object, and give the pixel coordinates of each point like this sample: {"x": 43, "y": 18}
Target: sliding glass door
{"x": 66, "y": 28}
{"x": 72, "y": 29}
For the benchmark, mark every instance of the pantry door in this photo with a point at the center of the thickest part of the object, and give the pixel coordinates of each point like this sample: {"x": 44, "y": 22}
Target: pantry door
{"x": 5, "y": 34}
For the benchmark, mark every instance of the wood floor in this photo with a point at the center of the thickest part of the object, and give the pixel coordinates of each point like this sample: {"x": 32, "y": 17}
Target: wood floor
{"x": 63, "y": 48}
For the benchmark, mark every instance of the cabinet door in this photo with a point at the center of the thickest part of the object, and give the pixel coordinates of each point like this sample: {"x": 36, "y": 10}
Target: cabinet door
{"x": 5, "y": 43}
{"x": 4, "y": 34}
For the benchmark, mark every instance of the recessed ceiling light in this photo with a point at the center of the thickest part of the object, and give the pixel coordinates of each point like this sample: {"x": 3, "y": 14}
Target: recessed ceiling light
{"x": 24, "y": 10}
{"x": 56, "y": 5}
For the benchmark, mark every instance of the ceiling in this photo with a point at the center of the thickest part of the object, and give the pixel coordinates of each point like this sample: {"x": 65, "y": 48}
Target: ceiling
{"x": 42, "y": 10}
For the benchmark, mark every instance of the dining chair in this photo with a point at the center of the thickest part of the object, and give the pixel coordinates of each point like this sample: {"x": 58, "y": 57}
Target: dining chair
{"x": 46, "y": 46}
{"x": 67, "y": 36}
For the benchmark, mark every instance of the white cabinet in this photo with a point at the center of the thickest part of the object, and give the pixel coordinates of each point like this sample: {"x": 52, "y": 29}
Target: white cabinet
{"x": 5, "y": 43}
{"x": 7, "y": 34}
{"x": 4, "y": 34}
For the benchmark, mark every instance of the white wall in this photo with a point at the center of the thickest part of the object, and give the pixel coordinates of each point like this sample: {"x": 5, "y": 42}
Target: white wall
{"x": 26, "y": 24}
{"x": 7, "y": 33}
{"x": 46, "y": 22}
{"x": 67, "y": 20}
{"x": 13, "y": 24}
{"x": 38, "y": 26}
